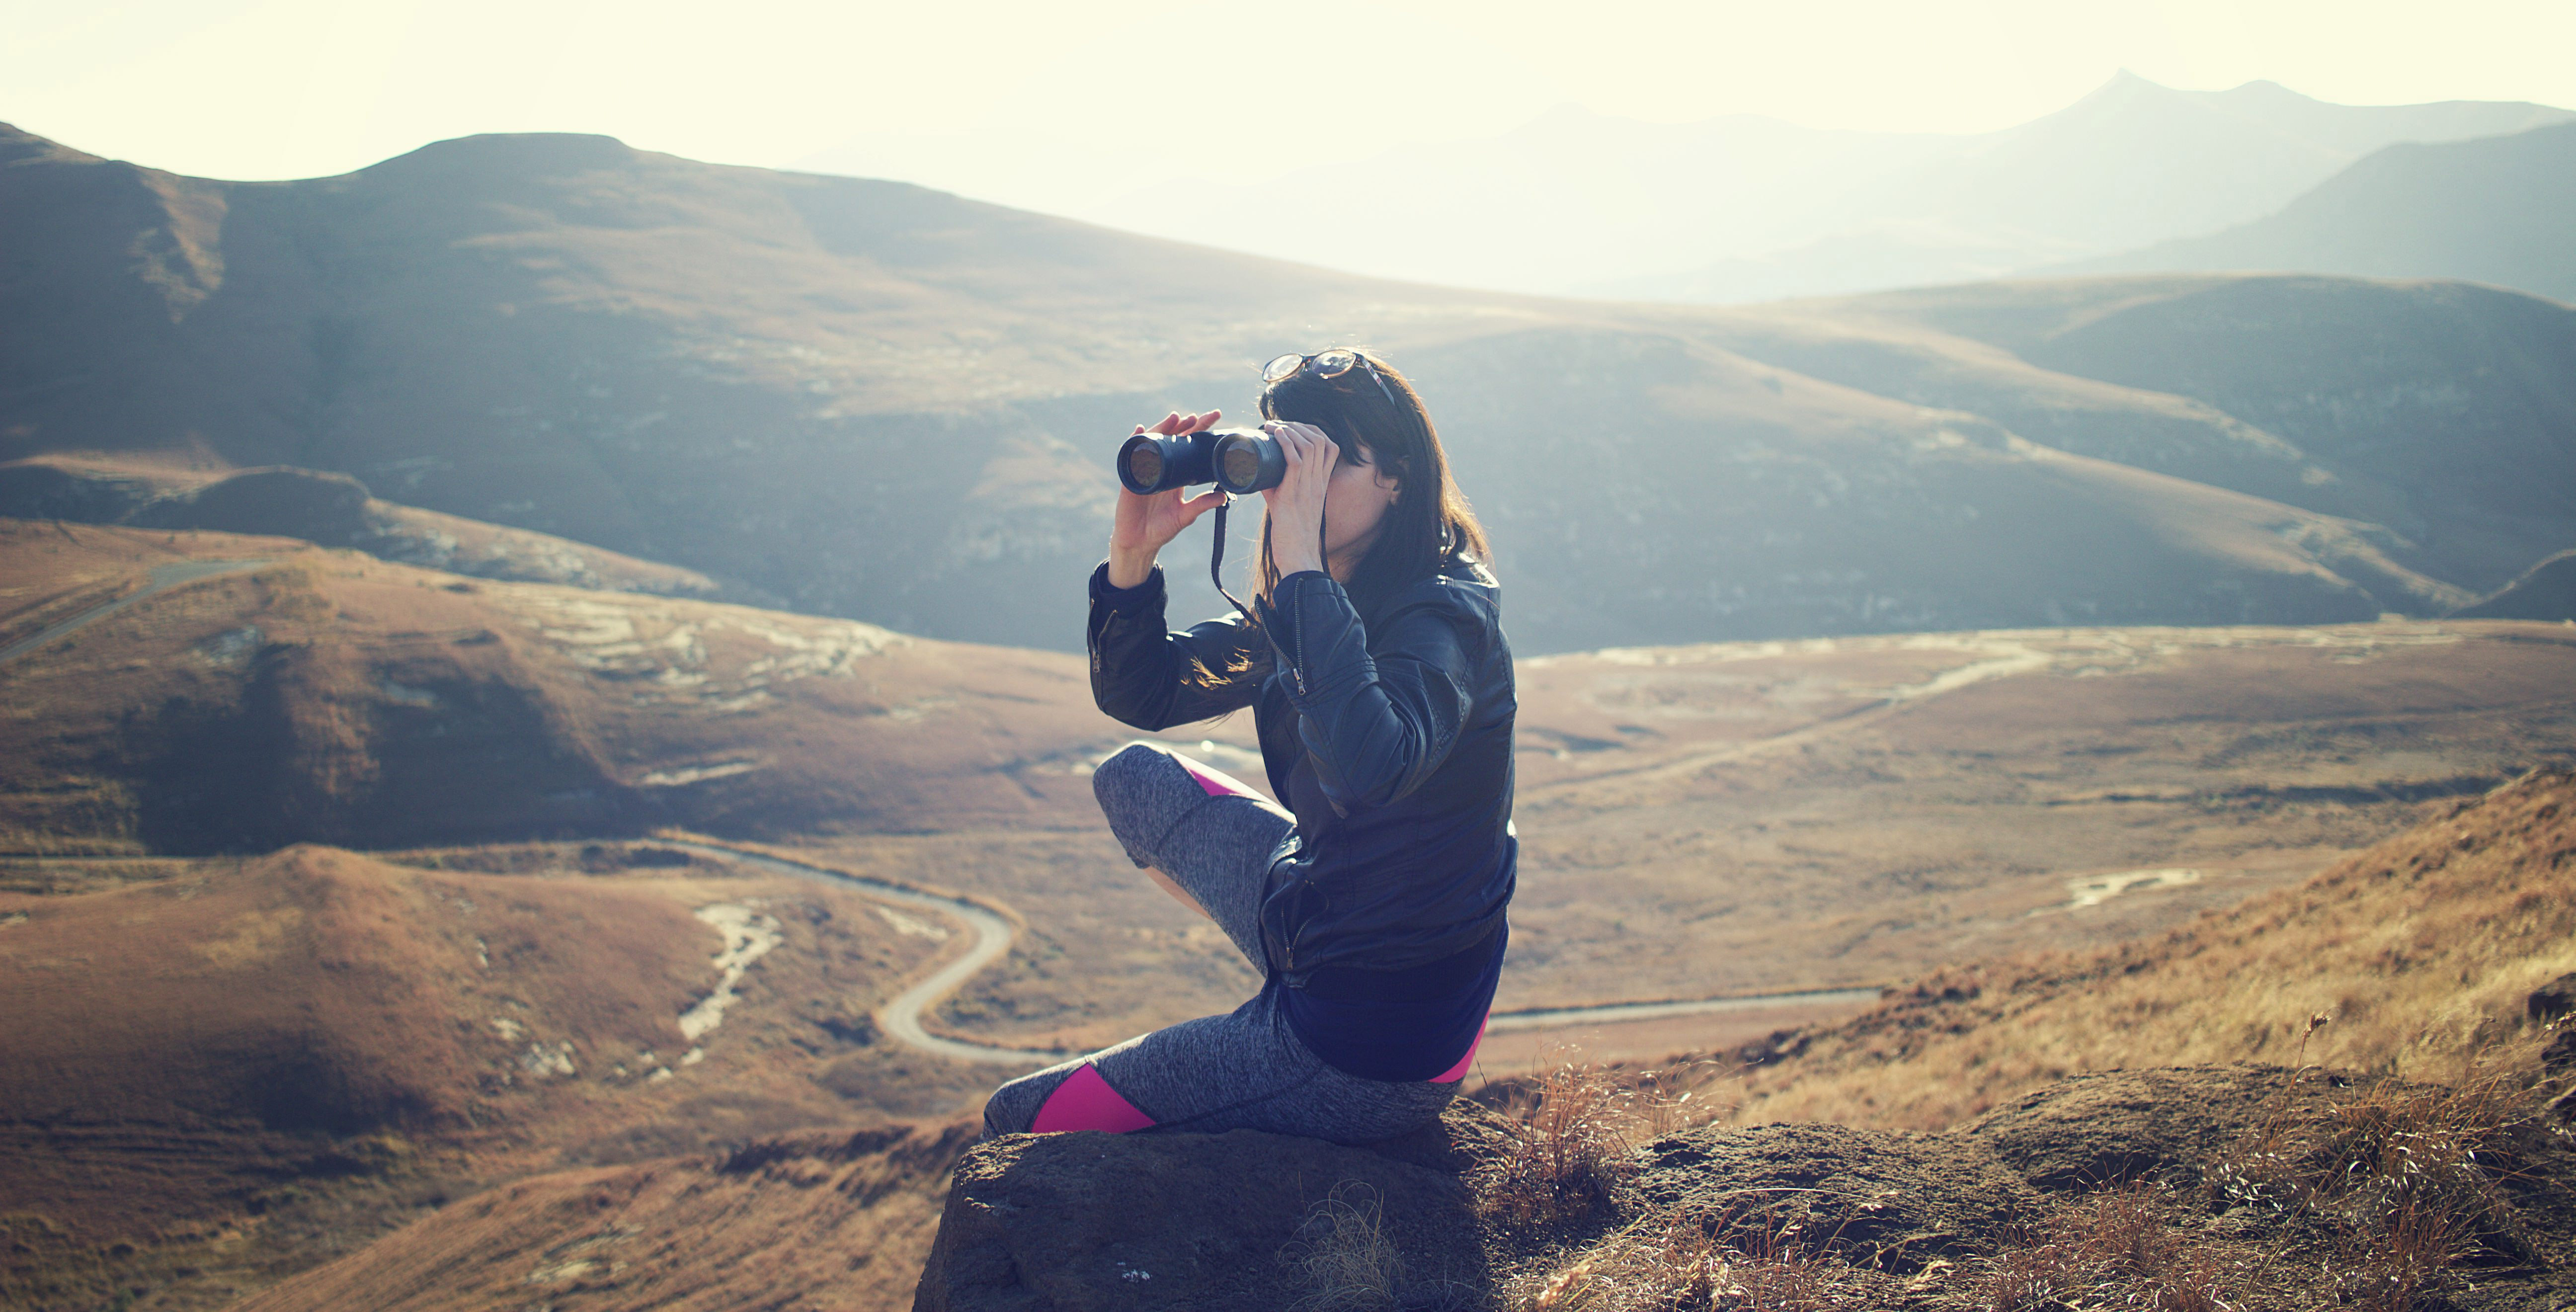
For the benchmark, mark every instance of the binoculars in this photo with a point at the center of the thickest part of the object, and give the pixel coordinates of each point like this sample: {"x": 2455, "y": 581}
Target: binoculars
{"x": 1240, "y": 460}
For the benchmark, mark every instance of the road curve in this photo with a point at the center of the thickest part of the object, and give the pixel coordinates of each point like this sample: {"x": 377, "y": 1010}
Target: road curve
{"x": 164, "y": 578}
{"x": 902, "y": 1016}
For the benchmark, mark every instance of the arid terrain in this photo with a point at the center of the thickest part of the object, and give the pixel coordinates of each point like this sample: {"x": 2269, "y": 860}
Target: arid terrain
{"x": 341, "y": 1041}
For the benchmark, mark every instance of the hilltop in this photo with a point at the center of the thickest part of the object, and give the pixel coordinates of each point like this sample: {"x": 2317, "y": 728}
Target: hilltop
{"x": 331, "y": 510}
{"x": 1747, "y": 208}
{"x": 2491, "y": 210}
{"x": 296, "y": 694}
{"x": 2320, "y": 393}
{"x": 880, "y": 402}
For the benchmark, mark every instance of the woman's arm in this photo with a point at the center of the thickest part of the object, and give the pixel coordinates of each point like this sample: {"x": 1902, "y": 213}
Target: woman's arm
{"x": 1149, "y": 678}
{"x": 1376, "y": 726}
{"x": 1142, "y": 675}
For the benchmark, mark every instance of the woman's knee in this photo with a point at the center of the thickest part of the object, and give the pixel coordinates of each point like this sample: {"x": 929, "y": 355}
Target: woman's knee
{"x": 1137, "y": 784}
{"x": 1060, "y": 1098}
{"x": 1013, "y": 1108}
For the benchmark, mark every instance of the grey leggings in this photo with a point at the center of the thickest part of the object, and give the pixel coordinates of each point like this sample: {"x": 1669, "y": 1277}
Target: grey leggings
{"x": 1242, "y": 1070}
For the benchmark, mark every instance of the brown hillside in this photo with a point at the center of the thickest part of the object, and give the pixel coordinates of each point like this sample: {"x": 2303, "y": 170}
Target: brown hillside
{"x": 2421, "y": 951}
{"x": 314, "y": 989}
{"x": 876, "y": 401}
{"x": 224, "y": 1071}
{"x": 311, "y": 695}
{"x": 813, "y": 1221}
{"x": 2439, "y": 410}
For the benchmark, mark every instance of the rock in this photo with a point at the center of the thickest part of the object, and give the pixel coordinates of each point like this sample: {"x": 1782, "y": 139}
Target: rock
{"x": 1891, "y": 1201}
{"x": 1061, "y": 1222}
{"x": 2552, "y": 1000}
{"x": 2559, "y": 1058}
{"x": 316, "y": 506}
{"x": 2091, "y": 1130}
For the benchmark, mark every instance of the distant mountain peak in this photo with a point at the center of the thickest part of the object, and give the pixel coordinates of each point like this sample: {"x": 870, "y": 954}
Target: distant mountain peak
{"x": 515, "y": 152}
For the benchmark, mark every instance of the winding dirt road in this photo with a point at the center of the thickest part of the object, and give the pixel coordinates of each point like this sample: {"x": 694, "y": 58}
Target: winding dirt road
{"x": 164, "y": 578}
{"x": 901, "y": 1017}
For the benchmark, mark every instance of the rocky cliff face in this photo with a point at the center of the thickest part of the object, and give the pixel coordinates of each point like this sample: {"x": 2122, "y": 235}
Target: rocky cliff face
{"x": 2233, "y": 1183}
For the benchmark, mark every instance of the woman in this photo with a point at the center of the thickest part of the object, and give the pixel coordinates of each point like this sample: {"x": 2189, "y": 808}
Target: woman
{"x": 1382, "y": 689}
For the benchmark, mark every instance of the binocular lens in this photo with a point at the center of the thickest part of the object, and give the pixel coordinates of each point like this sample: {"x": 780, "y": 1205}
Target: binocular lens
{"x": 1144, "y": 465}
{"x": 1242, "y": 465}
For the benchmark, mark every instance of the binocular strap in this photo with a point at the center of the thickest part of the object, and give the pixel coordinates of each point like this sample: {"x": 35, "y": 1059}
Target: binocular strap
{"x": 1216, "y": 560}
{"x": 1216, "y": 556}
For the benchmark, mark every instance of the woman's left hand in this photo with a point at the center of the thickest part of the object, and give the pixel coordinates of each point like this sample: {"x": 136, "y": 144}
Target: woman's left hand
{"x": 1296, "y": 506}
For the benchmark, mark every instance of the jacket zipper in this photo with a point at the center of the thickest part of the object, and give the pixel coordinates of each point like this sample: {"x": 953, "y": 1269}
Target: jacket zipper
{"x": 1297, "y": 644}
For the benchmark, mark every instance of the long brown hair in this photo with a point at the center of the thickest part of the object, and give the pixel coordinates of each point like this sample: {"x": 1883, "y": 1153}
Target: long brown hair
{"x": 1430, "y": 525}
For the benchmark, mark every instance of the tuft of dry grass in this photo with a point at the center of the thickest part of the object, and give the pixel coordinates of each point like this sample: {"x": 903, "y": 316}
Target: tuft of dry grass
{"x": 1342, "y": 1255}
{"x": 1573, "y": 1143}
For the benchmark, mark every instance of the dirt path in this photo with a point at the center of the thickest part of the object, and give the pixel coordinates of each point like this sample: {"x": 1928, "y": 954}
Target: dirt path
{"x": 164, "y": 578}
{"x": 902, "y": 1016}
{"x": 2002, "y": 660}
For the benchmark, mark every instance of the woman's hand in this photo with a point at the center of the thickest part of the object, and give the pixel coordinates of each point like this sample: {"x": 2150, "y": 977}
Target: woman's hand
{"x": 1296, "y": 506}
{"x": 1145, "y": 524}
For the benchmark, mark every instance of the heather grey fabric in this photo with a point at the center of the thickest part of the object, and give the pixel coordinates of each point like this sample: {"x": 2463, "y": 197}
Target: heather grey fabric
{"x": 1218, "y": 848}
{"x": 1245, "y": 1069}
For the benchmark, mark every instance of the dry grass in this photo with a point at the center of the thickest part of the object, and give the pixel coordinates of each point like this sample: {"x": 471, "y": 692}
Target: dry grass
{"x": 2125, "y": 1248}
{"x": 2422, "y": 949}
{"x": 1342, "y": 1254}
{"x": 1686, "y": 1260}
{"x": 2396, "y": 1184}
{"x": 1575, "y": 1133}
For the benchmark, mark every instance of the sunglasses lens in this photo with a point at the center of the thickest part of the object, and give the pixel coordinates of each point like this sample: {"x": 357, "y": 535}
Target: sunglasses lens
{"x": 1281, "y": 367}
{"x": 1333, "y": 364}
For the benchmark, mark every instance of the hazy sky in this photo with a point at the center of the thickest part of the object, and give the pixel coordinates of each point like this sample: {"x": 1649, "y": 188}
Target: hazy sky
{"x": 970, "y": 95}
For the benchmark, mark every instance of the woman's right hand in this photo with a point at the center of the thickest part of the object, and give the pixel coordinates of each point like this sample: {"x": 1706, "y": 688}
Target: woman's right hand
{"x": 1145, "y": 523}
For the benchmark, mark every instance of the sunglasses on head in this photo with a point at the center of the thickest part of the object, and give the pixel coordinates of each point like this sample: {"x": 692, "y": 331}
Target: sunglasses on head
{"x": 1327, "y": 364}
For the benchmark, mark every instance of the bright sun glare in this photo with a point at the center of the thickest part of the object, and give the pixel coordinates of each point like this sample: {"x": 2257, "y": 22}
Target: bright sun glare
{"x": 976, "y": 95}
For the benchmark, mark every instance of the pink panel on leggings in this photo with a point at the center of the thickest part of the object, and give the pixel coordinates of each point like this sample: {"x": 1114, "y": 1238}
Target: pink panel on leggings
{"x": 1216, "y": 782}
{"x": 1086, "y": 1102}
{"x": 1459, "y": 1071}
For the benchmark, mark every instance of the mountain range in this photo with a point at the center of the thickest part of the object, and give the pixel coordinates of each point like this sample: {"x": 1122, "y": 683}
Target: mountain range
{"x": 871, "y": 400}
{"x": 1744, "y": 208}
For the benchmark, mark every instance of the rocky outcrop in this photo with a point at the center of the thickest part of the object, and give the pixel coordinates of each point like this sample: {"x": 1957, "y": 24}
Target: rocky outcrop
{"x": 335, "y": 510}
{"x": 1210, "y": 1223}
{"x": 2553, "y": 1000}
{"x": 2211, "y": 1160}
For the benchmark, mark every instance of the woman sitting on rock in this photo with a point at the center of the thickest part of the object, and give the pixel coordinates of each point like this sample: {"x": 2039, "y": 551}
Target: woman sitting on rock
{"x": 1382, "y": 689}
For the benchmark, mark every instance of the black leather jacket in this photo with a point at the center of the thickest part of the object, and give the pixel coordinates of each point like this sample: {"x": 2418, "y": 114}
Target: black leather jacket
{"x": 1392, "y": 744}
